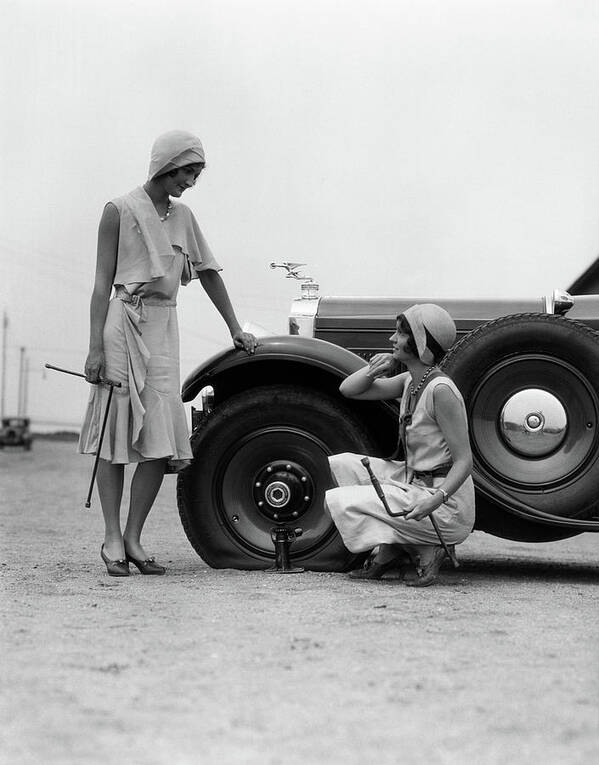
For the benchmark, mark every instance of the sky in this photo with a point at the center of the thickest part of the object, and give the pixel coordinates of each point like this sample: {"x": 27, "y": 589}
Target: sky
{"x": 439, "y": 148}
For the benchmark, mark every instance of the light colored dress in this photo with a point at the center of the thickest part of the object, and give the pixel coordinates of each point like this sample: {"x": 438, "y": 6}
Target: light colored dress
{"x": 147, "y": 419}
{"x": 358, "y": 512}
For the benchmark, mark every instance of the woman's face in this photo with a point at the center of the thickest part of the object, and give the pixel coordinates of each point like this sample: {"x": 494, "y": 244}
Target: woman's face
{"x": 400, "y": 339}
{"x": 179, "y": 180}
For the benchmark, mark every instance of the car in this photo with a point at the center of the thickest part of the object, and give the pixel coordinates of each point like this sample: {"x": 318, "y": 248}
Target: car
{"x": 529, "y": 374}
{"x": 15, "y": 432}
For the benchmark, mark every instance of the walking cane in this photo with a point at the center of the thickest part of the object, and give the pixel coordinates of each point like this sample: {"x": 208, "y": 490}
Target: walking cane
{"x": 381, "y": 495}
{"x": 112, "y": 385}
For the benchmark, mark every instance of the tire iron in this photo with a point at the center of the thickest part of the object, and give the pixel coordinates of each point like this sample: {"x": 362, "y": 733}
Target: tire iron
{"x": 381, "y": 495}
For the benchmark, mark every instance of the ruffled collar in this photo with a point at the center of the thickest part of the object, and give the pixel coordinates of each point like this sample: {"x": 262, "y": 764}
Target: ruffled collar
{"x": 155, "y": 236}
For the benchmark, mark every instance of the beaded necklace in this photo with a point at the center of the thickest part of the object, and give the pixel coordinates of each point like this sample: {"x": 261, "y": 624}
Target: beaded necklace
{"x": 169, "y": 208}
{"x": 425, "y": 376}
{"x": 169, "y": 205}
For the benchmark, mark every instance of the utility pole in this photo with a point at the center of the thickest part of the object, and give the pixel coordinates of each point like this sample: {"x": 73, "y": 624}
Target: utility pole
{"x": 3, "y": 379}
{"x": 20, "y": 411}
{"x": 26, "y": 388}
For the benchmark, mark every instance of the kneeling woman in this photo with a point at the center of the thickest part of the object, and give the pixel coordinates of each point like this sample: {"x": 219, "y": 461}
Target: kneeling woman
{"x": 434, "y": 432}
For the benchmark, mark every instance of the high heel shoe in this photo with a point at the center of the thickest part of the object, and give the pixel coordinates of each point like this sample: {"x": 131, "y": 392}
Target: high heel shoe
{"x": 114, "y": 567}
{"x": 427, "y": 573}
{"x": 149, "y": 567}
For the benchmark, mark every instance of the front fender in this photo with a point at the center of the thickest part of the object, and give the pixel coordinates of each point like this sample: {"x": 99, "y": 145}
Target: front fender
{"x": 312, "y": 355}
{"x": 295, "y": 361}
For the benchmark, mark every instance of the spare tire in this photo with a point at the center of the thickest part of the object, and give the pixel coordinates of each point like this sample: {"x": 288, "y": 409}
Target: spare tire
{"x": 531, "y": 387}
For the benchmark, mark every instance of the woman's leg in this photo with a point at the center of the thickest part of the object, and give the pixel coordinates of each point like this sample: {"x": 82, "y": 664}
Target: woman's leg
{"x": 347, "y": 469}
{"x": 386, "y": 553}
{"x": 145, "y": 484}
{"x": 110, "y": 488}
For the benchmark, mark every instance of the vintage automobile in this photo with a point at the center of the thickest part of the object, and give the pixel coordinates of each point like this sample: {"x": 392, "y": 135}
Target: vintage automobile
{"x": 529, "y": 374}
{"x": 15, "y": 432}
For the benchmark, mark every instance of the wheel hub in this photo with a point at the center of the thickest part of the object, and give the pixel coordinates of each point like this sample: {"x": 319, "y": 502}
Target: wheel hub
{"x": 533, "y": 422}
{"x": 277, "y": 494}
{"x": 283, "y": 490}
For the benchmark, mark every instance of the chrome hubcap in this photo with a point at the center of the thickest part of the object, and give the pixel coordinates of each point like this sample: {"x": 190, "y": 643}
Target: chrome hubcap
{"x": 533, "y": 422}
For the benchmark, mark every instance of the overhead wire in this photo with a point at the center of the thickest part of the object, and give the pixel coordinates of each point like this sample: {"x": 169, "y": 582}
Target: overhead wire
{"x": 52, "y": 258}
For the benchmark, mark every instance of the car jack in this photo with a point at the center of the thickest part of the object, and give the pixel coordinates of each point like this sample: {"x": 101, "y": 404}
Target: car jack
{"x": 282, "y": 537}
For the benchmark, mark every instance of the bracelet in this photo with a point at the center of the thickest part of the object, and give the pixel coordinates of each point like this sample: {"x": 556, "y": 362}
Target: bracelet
{"x": 444, "y": 493}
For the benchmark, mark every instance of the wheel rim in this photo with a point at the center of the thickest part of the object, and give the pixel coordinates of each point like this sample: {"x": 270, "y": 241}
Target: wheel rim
{"x": 533, "y": 422}
{"x": 286, "y": 474}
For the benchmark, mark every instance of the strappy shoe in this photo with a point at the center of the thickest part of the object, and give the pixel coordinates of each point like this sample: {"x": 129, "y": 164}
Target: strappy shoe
{"x": 410, "y": 564}
{"x": 149, "y": 567}
{"x": 374, "y": 570}
{"x": 114, "y": 567}
{"x": 428, "y": 572}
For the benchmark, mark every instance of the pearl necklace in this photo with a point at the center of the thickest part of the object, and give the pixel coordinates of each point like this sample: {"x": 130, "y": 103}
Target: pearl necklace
{"x": 425, "y": 376}
{"x": 169, "y": 208}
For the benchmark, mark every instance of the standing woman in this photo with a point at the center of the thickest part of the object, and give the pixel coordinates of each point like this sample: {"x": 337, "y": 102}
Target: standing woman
{"x": 434, "y": 432}
{"x": 148, "y": 244}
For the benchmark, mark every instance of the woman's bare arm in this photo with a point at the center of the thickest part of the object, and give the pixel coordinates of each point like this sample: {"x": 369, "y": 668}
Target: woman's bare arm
{"x": 450, "y": 416}
{"x": 108, "y": 243}
{"x": 371, "y": 383}
{"x": 217, "y": 292}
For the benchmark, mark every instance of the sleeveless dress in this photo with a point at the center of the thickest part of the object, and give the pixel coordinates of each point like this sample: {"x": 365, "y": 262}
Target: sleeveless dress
{"x": 358, "y": 512}
{"x": 147, "y": 419}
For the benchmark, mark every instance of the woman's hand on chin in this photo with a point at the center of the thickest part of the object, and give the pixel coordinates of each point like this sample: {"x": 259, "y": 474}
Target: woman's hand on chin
{"x": 381, "y": 365}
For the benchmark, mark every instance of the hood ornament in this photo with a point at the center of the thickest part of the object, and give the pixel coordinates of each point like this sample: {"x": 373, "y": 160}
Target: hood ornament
{"x": 309, "y": 288}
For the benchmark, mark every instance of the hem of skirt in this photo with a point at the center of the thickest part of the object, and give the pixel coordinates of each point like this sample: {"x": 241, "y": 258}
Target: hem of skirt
{"x": 178, "y": 463}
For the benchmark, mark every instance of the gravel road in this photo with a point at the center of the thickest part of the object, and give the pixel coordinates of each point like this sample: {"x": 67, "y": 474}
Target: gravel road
{"x": 497, "y": 664}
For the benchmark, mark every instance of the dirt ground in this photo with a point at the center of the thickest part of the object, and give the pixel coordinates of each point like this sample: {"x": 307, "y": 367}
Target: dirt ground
{"x": 497, "y": 664}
